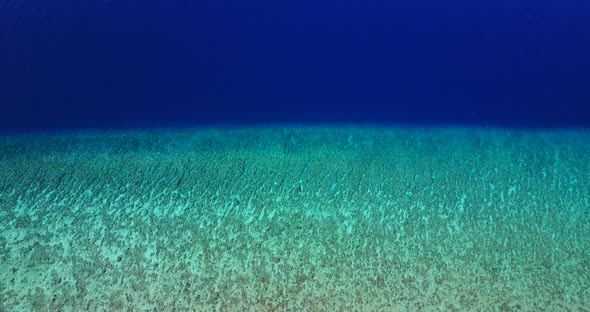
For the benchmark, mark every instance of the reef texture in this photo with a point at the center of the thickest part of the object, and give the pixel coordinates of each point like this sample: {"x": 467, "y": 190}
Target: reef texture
{"x": 296, "y": 219}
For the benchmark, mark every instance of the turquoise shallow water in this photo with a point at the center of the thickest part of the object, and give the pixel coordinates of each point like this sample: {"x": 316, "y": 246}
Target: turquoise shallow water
{"x": 291, "y": 219}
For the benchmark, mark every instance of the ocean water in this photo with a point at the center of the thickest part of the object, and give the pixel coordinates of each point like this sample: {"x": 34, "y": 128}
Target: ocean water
{"x": 145, "y": 64}
{"x": 296, "y": 219}
{"x": 294, "y": 156}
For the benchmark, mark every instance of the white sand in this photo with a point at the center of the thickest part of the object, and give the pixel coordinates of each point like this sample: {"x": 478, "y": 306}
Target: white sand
{"x": 316, "y": 219}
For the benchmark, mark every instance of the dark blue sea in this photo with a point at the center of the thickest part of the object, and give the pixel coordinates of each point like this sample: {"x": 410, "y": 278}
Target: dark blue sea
{"x": 120, "y": 64}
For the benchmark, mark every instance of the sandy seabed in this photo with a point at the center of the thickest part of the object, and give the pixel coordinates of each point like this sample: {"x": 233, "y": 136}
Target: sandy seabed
{"x": 296, "y": 219}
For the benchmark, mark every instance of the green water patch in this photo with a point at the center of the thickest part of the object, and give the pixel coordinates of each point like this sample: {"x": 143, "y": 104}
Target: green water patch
{"x": 291, "y": 219}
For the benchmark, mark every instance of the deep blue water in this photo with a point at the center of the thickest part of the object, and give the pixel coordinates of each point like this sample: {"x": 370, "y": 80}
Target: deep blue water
{"x": 81, "y": 64}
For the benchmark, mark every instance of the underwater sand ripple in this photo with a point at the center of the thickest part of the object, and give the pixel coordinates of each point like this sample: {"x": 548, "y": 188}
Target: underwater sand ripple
{"x": 315, "y": 219}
